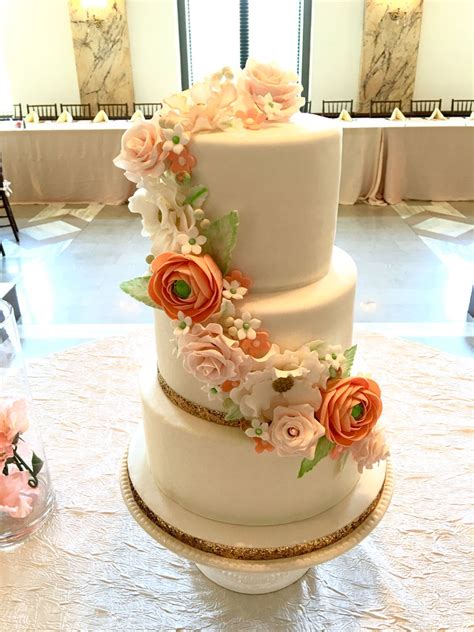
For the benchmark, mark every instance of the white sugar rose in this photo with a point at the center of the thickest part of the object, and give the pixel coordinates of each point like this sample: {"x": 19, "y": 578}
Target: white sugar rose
{"x": 274, "y": 91}
{"x": 211, "y": 357}
{"x": 295, "y": 431}
{"x": 370, "y": 450}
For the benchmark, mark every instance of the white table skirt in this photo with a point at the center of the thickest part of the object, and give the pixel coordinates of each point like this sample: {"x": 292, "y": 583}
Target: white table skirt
{"x": 93, "y": 568}
{"x": 382, "y": 161}
{"x": 53, "y": 162}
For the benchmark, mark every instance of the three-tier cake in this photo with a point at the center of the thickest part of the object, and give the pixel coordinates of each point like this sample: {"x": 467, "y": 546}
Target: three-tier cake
{"x": 251, "y": 416}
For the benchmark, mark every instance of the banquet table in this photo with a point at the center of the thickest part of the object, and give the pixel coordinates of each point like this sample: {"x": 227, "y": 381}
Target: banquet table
{"x": 92, "y": 567}
{"x": 64, "y": 162}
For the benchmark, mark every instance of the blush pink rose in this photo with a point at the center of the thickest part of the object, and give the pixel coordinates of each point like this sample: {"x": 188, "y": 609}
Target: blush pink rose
{"x": 16, "y": 496}
{"x": 370, "y": 450}
{"x": 13, "y": 421}
{"x": 186, "y": 283}
{"x": 259, "y": 80}
{"x": 350, "y": 409}
{"x": 295, "y": 430}
{"x": 211, "y": 357}
{"x": 142, "y": 152}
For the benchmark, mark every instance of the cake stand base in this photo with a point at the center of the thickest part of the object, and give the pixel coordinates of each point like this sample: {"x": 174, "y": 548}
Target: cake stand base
{"x": 253, "y": 560}
{"x": 251, "y": 583}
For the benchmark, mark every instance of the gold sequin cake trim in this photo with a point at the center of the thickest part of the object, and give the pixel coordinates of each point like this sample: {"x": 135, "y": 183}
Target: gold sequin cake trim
{"x": 253, "y": 553}
{"x": 215, "y": 416}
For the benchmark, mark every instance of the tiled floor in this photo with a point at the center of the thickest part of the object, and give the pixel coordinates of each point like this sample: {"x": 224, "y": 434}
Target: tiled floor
{"x": 415, "y": 264}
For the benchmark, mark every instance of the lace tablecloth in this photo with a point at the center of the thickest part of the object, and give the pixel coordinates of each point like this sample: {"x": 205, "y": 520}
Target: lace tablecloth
{"x": 93, "y": 568}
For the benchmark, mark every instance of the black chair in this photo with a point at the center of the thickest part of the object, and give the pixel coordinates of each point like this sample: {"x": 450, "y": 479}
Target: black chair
{"x": 332, "y": 109}
{"x": 5, "y": 204}
{"x": 461, "y": 107}
{"x": 115, "y": 111}
{"x": 384, "y": 107}
{"x": 17, "y": 111}
{"x": 424, "y": 107}
{"x": 148, "y": 109}
{"x": 306, "y": 108}
{"x": 45, "y": 112}
{"x": 79, "y": 111}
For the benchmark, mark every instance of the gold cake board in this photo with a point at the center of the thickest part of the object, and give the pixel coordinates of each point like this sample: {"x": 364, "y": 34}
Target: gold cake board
{"x": 253, "y": 559}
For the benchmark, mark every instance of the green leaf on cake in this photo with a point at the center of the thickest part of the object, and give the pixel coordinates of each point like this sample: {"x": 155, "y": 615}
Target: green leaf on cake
{"x": 138, "y": 289}
{"x": 232, "y": 410}
{"x": 221, "y": 239}
{"x": 323, "y": 448}
{"x": 196, "y": 196}
{"x": 349, "y": 354}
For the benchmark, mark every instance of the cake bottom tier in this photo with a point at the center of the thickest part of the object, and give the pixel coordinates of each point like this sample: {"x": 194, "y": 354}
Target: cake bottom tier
{"x": 214, "y": 471}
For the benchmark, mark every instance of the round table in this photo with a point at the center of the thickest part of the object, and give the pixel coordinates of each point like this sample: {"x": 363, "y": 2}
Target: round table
{"x": 92, "y": 567}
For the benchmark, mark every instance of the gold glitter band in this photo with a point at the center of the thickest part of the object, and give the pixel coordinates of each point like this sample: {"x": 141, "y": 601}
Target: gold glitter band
{"x": 253, "y": 553}
{"x": 202, "y": 412}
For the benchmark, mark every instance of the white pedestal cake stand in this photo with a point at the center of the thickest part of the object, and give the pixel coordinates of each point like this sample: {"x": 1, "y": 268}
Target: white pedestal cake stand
{"x": 253, "y": 560}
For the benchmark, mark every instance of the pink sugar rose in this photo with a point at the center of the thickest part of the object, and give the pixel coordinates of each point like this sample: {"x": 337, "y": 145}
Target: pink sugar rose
{"x": 13, "y": 420}
{"x": 142, "y": 151}
{"x": 295, "y": 430}
{"x": 370, "y": 450}
{"x": 16, "y": 496}
{"x": 211, "y": 357}
{"x": 260, "y": 80}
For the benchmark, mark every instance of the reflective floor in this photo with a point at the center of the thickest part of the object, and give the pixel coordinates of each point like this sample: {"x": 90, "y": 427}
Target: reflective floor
{"x": 415, "y": 263}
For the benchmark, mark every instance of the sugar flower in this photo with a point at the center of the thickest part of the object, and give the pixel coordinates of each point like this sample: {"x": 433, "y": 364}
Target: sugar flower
{"x": 262, "y": 446}
{"x": 272, "y": 110}
{"x": 182, "y": 324}
{"x": 182, "y": 163}
{"x": 350, "y": 409}
{"x": 251, "y": 118}
{"x": 175, "y": 139}
{"x": 186, "y": 283}
{"x": 245, "y": 327}
{"x": 258, "y": 429}
{"x": 295, "y": 431}
{"x": 259, "y": 346}
{"x": 211, "y": 357}
{"x": 191, "y": 242}
{"x": 370, "y": 450}
{"x": 142, "y": 151}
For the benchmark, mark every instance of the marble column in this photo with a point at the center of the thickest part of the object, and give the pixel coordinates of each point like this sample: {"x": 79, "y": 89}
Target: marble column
{"x": 102, "y": 51}
{"x": 389, "y": 51}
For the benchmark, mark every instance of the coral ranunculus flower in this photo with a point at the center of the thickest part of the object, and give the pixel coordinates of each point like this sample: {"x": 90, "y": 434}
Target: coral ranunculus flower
{"x": 350, "y": 409}
{"x": 186, "y": 283}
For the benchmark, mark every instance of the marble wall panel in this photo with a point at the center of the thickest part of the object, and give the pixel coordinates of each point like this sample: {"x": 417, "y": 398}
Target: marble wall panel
{"x": 390, "y": 42}
{"x": 102, "y": 51}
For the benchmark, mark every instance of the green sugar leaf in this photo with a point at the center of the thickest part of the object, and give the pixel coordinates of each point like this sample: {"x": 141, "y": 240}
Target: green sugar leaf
{"x": 323, "y": 448}
{"x": 221, "y": 239}
{"x": 232, "y": 410}
{"x": 196, "y": 196}
{"x": 138, "y": 289}
{"x": 349, "y": 354}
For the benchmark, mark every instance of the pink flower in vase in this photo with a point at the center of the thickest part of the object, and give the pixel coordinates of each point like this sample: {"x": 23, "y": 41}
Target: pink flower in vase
{"x": 16, "y": 496}
{"x": 13, "y": 421}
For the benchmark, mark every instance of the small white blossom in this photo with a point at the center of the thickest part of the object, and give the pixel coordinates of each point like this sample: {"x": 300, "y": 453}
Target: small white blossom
{"x": 182, "y": 324}
{"x": 233, "y": 290}
{"x": 258, "y": 430}
{"x": 191, "y": 242}
{"x": 270, "y": 107}
{"x": 213, "y": 392}
{"x": 176, "y": 139}
{"x": 335, "y": 359}
{"x": 245, "y": 327}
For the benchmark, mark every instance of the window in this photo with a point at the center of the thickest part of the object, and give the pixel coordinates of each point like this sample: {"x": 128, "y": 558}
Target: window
{"x": 216, "y": 33}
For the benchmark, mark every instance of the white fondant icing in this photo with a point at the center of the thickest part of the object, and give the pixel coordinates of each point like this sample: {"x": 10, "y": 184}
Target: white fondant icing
{"x": 215, "y": 472}
{"x": 284, "y": 181}
{"x": 322, "y": 310}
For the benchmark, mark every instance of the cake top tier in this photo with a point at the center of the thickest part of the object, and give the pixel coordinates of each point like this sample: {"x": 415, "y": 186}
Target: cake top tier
{"x": 233, "y": 141}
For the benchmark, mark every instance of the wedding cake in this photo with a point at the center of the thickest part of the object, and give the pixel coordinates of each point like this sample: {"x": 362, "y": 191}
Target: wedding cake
{"x": 253, "y": 416}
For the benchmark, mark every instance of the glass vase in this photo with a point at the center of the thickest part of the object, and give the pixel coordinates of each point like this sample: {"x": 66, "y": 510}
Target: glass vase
{"x": 26, "y": 496}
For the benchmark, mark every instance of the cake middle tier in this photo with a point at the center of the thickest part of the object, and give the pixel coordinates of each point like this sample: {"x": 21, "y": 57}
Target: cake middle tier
{"x": 319, "y": 311}
{"x": 284, "y": 182}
